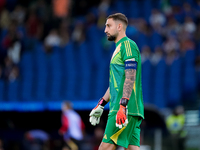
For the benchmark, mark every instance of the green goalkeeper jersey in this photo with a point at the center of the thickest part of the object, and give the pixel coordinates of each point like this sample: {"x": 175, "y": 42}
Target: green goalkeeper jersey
{"x": 125, "y": 49}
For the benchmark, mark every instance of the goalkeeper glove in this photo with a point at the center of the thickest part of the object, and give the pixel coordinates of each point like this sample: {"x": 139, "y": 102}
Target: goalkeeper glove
{"x": 121, "y": 117}
{"x": 96, "y": 113}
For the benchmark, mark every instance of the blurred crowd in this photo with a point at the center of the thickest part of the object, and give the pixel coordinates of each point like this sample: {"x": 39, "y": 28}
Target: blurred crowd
{"x": 175, "y": 29}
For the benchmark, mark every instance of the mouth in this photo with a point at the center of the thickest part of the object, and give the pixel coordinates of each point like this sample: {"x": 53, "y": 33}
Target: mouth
{"x": 108, "y": 34}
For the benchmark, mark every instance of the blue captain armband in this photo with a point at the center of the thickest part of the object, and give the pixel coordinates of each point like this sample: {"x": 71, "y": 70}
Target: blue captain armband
{"x": 130, "y": 64}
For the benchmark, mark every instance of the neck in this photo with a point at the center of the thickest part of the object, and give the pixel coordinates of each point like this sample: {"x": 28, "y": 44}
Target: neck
{"x": 120, "y": 36}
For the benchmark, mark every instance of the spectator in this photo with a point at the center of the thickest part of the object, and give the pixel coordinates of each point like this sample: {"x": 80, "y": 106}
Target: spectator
{"x": 14, "y": 51}
{"x": 187, "y": 44}
{"x": 197, "y": 33}
{"x": 61, "y": 8}
{"x": 52, "y": 39}
{"x": 78, "y": 34}
{"x": 188, "y": 11}
{"x": 2, "y": 4}
{"x": 101, "y": 20}
{"x": 34, "y": 26}
{"x": 172, "y": 27}
{"x": 175, "y": 124}
{"x": 171, "y": 44}
{"x": 104, "y": 6}
{"x": 145, "y": 53}
{"x": 18, "y": 14}
{"x": 157, "y": 18}
{"x": 189, "y": 25}
{"x": 157, "y": 56}
{"x": 35, "y": 140}
{"x": 42, "y": 10}
{"x": 14, "y": 74}
{"x": 8, "y": 67}
{"x": 1, "y": 72}
{"x": 64, "y": 33}
{"x": 72, "y": 126}
{"x": 5, "y": 19}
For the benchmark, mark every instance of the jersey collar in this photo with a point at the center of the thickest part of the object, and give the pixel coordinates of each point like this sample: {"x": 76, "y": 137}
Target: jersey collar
{"x": 121, "y": 40}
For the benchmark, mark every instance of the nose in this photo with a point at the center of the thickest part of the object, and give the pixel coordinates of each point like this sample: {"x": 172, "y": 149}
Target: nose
{"x": 105, "y": 30}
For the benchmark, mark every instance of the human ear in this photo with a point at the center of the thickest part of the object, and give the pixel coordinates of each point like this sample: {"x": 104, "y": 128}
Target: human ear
{"x": 119, "y": 27}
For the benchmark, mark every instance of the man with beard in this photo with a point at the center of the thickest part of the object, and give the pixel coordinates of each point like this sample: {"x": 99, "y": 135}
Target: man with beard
{"x": 124, "y": 92}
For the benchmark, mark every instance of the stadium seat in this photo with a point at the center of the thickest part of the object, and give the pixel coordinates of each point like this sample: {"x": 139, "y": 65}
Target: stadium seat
{"x": 133, "y": 13}
{"x": 189, "y": 80}
{"x": 174, "y": 87}
{"x": 146, "y": 9}
{"x": 146, "y": 82}
{"x": 68, "y": 59}
{"x": 156, "y": 40}
{"x": 142, "y": 40}
{"x": 160, "y": 84}
{"x": 55, "y": 74}
{"x": 12, "y": 91}
{"x": 2, "y": 92}
{"x": 27, "y": 73}
{"x": 85, "y": 71}
{"x": 120, "y": 6}
{"x": 40, "y": 73}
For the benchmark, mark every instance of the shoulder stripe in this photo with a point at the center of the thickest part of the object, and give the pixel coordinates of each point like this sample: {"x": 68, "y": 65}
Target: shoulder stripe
{"x": 125, "y": 47}
{"x": 128, "y": 48}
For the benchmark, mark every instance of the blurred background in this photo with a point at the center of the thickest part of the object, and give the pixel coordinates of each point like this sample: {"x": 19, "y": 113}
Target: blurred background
{"x": 56, "y": 50}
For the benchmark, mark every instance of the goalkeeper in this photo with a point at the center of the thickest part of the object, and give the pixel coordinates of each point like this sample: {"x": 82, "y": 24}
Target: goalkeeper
{"x": 124, "y": 92}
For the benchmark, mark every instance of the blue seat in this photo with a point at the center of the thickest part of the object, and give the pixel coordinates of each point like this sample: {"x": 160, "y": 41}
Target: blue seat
{"x": 55, "y": 74}
{"x": 120, "y": 6}
{"x": 146, "y": 82}
{"x": 156, "y": 40}
{"x": 40, "y": 73}
{"x": 26, "y": 88}
{"x": 133, "y": 13}
{"x": 142, "y": 40}
{"x": 85, "y": 70}
{"x": 27, "y": 73}
{"x": 189, "y": 80}
{"x": 68, "y": 60}
{"x": 101, "y": 81}
{"x": 160, "y": 85}
{"x": 2, "y": 86}
{"x": 12, "y": 91}
{"x": 146, "y": 9}
{"x": 175, "y": 90}
{"x": 176, "y": 2}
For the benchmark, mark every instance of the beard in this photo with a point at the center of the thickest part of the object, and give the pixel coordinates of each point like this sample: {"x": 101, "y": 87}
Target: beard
{"x": 112, "y": 37}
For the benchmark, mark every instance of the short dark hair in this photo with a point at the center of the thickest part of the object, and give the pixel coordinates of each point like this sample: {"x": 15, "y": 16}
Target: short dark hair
{"x": 119, "y": 16}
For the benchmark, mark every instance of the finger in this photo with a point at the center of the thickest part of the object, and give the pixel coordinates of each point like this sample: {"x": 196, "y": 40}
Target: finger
{"x": 126, "y": 122}
{"x": 120, "y": 126}
{"x": 119, "y": 123}
{"x": 90, "y": 119}
{"x": 98, "y": 120}
{"x": 91, "y": 113}
{"x": 123, "y": 120}
{"x": 94, "y": 121}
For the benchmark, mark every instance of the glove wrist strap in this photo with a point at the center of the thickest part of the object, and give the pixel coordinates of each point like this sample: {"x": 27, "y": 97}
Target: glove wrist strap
{"x": 102, "y": 102}
{"x": 124, "y": 101}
